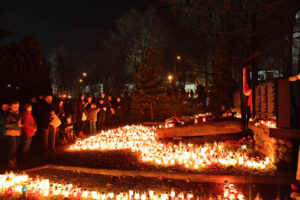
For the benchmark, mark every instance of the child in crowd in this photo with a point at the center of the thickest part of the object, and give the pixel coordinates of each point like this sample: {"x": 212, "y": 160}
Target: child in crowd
{"x": 13, "y": 125}
{"x": 92, "y": 117}
{"x": 29, "y": 129}
{"x": 67, "y": 130}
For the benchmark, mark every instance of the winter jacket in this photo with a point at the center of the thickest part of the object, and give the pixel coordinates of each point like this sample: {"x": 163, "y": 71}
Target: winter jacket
{"x": 29, "y": 124}
{"x": 2, "y": 120}
{"x": 45, "y": 110}
{"x": 12, "y": 121}
{"x": 92, "y": 114}
{"x": 60, "y": 112}
{"x": 55, "y": 121}
{"x": 79, "y": 107}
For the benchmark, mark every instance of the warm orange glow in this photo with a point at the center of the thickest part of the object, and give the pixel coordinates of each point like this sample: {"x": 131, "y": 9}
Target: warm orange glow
{"x": 17, "y": 185}
{"x": 266, "y": 123}
{"x": 142, "y": 140}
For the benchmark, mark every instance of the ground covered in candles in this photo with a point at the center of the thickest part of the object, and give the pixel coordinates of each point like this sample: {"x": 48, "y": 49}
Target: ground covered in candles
{"x": 141, "y": 141}
{"x": 111, "y": 185}
{"x": 126, "y": 149}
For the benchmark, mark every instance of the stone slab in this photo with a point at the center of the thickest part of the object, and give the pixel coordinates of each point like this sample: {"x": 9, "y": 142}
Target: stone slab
{"x": 286, "y": 133}
{"x": 209, "y": 128}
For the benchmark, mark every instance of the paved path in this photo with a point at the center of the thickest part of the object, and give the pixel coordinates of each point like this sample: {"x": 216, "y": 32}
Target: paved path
{"x": 276, "y": 180}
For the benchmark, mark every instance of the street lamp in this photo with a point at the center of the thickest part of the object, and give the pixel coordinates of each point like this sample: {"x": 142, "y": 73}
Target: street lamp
{"x": 80, "y": 80}
{"x": 84, "y": 74}
{"x": 170, "y": 77}
{"x": 178, "y": 57}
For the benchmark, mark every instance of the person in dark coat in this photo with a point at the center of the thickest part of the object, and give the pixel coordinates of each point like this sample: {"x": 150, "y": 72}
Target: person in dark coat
{"x": 125, "y": 101}
{"x": 101, "y": 118}
{"x": 68, "y": 106}
{"x": 60, "y": 109}
{"x": 118, "y": 109}
{"x": 60, "y": 113}
{"x": 110, "y": 111}
{"x": 87, "y": 109}
{"x": 36, "y": 111}
{"x": 45, "y": 119}
{"x": 89, "y": 103}
{"x": 78, "y": 117}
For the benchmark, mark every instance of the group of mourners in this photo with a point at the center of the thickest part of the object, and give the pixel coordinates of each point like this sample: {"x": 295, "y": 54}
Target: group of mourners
{"x": 63, "y": 120}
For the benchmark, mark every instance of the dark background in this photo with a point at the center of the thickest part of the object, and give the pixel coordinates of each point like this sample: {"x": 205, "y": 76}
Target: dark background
{"x": 78, "y": 26}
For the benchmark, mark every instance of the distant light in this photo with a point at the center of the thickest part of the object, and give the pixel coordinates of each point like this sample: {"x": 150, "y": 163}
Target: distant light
{"x": 178, "y": 57}
{"x": 17, "y": 87}
{"x": 8, "y": 85}
{"x": 170, "y": 77}
{"x": 64, "y": 96}
{"x": 80, "y": 80}
{"x": 84, "y": 74}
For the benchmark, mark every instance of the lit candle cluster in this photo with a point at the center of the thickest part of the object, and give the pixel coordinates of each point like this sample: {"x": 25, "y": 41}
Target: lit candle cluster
{"x": 16, "y": 185}
{"x": 142, "y": 140}
{"x": 266, "y": 123}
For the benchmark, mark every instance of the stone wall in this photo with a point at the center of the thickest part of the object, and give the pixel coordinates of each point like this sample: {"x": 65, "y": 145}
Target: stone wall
{"x": 278, "y": 150}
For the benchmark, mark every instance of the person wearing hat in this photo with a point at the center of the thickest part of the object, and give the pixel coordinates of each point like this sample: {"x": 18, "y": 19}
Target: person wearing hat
{"x": 29, "y": 128}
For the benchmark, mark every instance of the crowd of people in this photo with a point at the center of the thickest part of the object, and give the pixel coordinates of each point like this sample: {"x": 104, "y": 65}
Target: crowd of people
{"x": 62, "y": 120}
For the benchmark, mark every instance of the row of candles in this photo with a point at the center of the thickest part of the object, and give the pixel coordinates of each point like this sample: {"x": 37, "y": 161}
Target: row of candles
{"x": 266, "y": 123}
{"x": 16, "y": 185}
{"x": 142, "y": 140}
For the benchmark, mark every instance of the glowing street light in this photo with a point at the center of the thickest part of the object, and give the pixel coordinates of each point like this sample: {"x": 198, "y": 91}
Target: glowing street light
{"x": 80, "y": 80}
{"x": 178, "y": 57}
{"x": 170, "y": 77}
{"x": 84, "y": 74}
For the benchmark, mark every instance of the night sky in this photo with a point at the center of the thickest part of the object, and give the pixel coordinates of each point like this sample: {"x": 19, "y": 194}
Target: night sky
{"x": 78, "y": 26}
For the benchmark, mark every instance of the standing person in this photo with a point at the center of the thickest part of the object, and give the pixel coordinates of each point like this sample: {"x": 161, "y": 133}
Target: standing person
{"x": 45, "y": 118}
{"x": 79, "y": 116}
{"x": 119, "y": 111}
{"x": 92, "y": 117}
{"x": 29, "y": 129}
{"x": 68, "y": 107}
{"x": 192, "y": 94}
{"x": 13, "y": 124}
{"x": 60, "y": 113}
{"x": 60, "y": 109}
{"x": 124, "y": 104}
{"x": 53, "y": 127}
{"x": 3, "y": 112}
{"x": 110, "y": 111}
{"x": 88, "y": 104}
{"x": 36, "y": 111}
{"x": 101, "y": 114}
